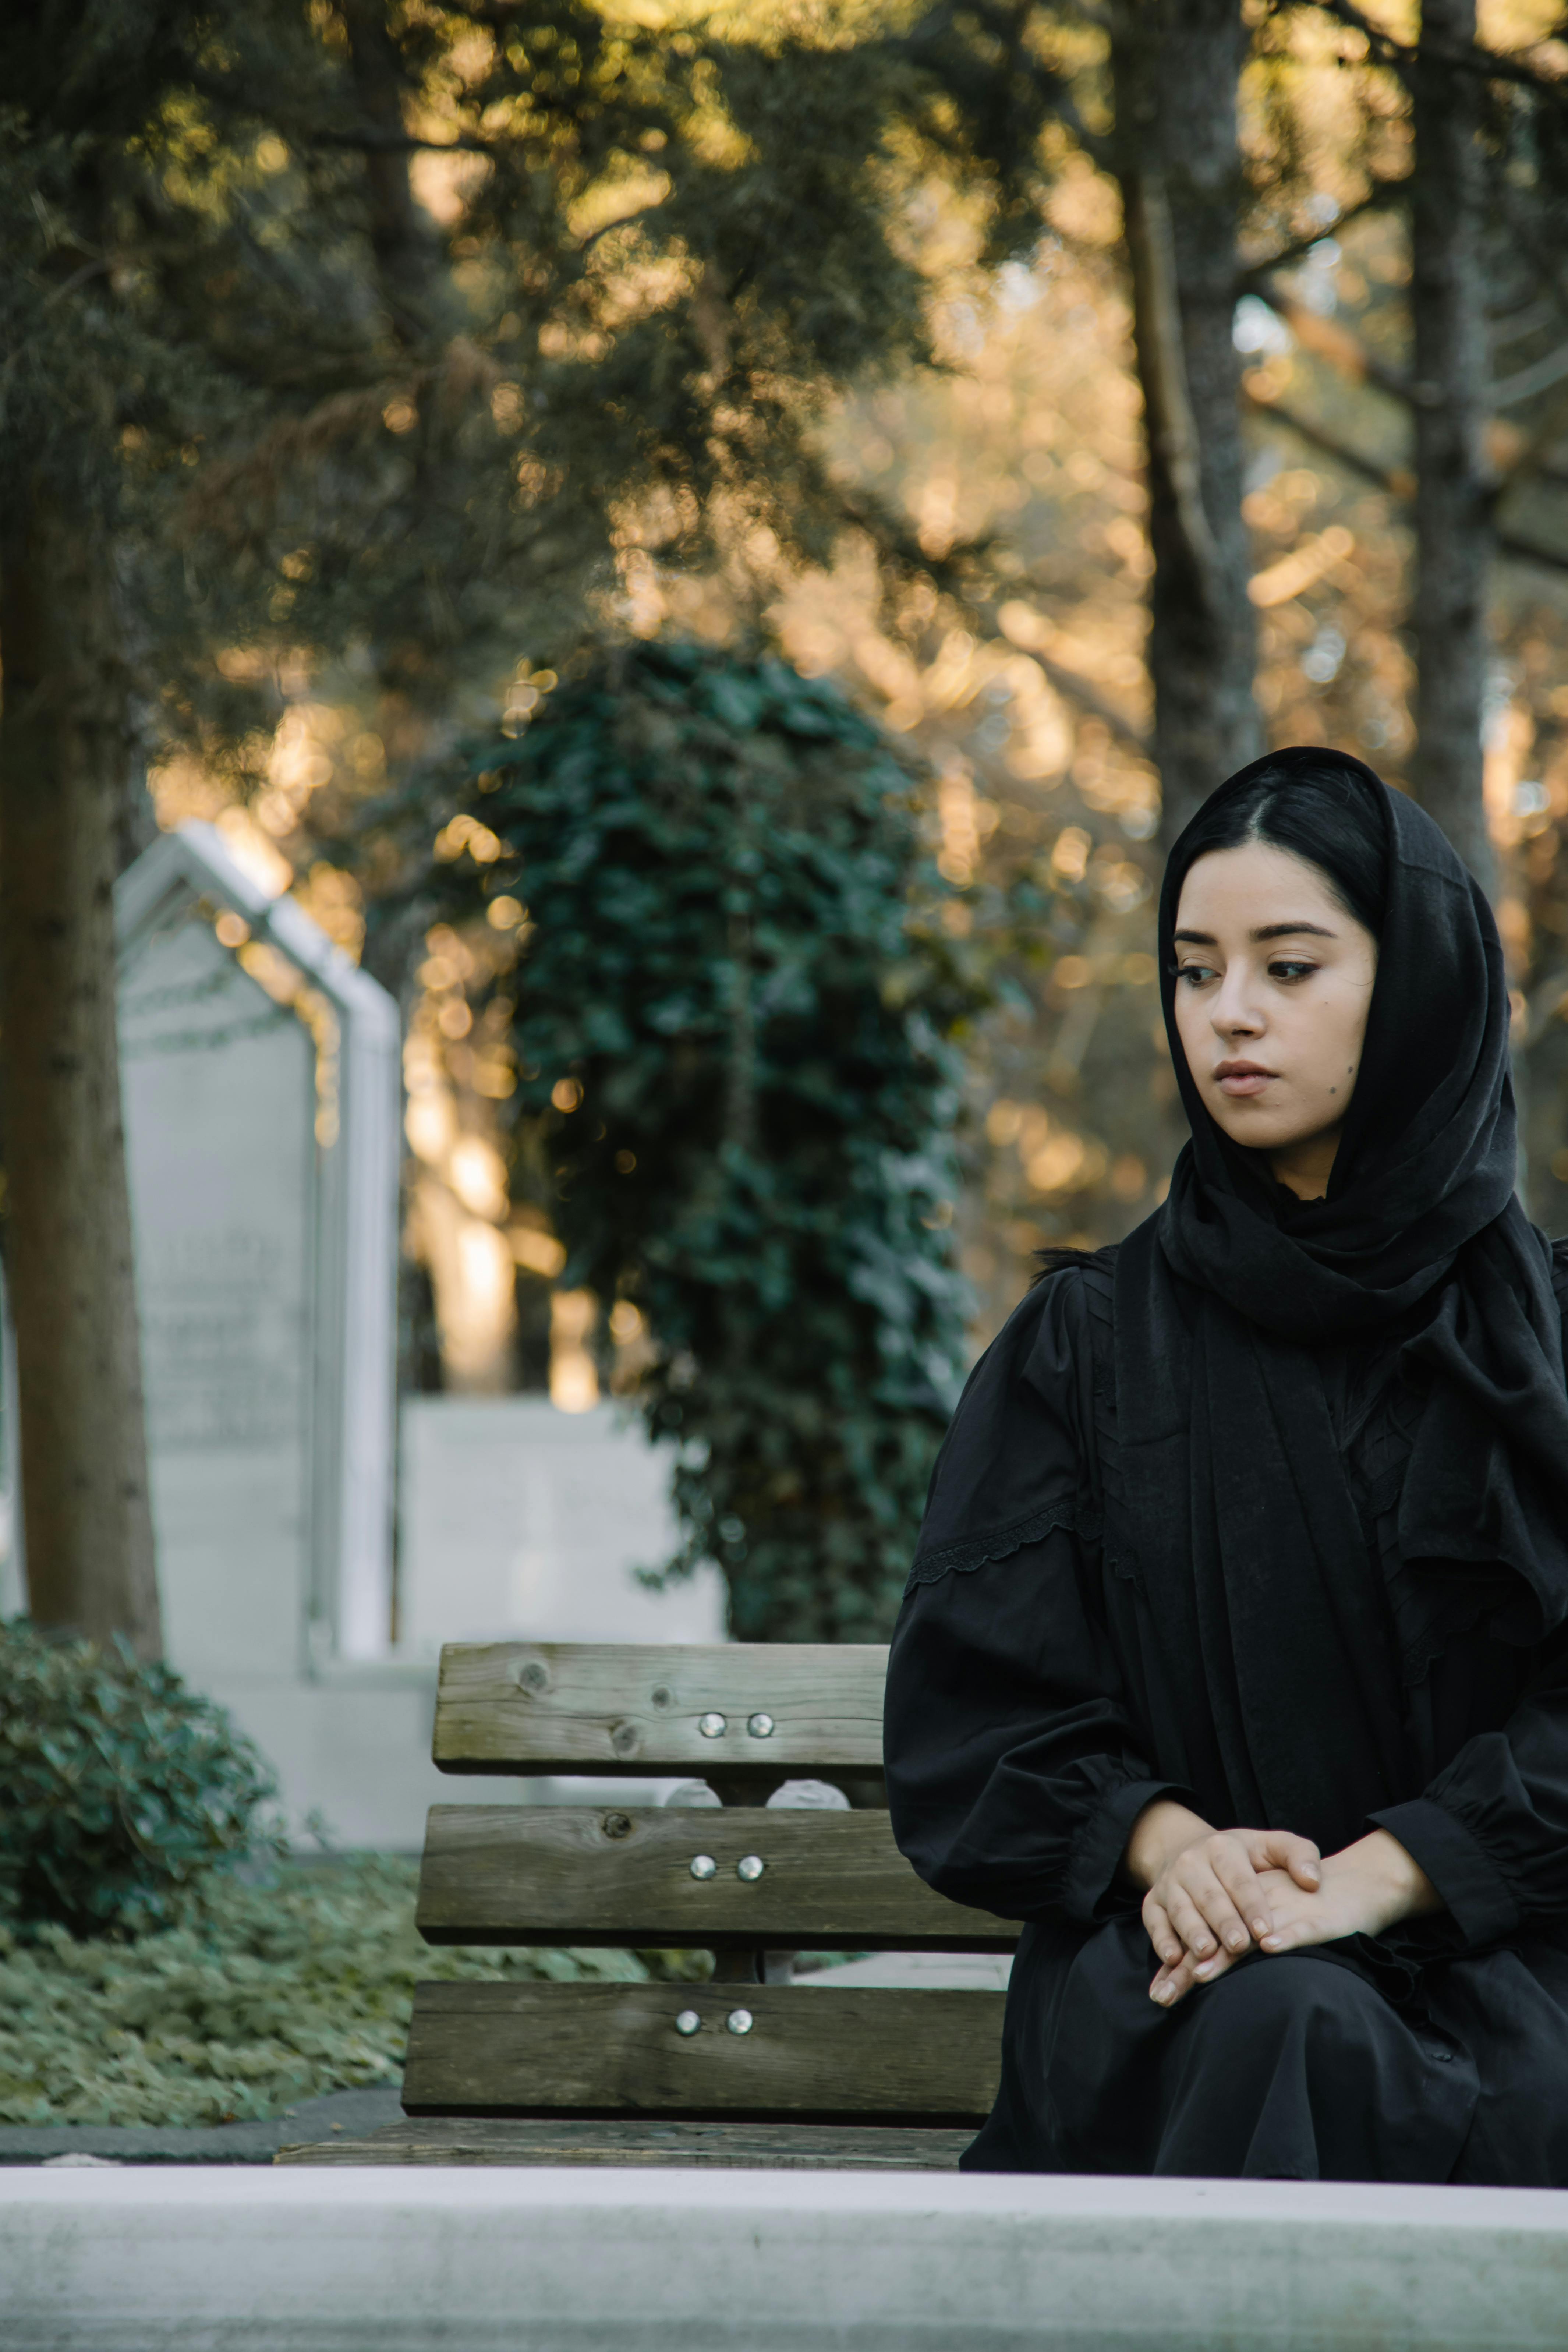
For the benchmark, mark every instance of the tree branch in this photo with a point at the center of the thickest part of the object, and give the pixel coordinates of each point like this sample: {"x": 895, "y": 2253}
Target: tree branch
{"x": 1381, "y": 193}
{"x": 1326, "y": 340}
{"x": 1396, "y": 481}
{"x": 1464, "y": 57}
{"x": 886, "y": 531}
{"x": 1526, "y": 381}
{"x": 1073, "y": 689}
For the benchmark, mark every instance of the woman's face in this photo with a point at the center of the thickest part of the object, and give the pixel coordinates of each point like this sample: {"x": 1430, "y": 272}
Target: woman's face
{"x": 1274, "y": 981}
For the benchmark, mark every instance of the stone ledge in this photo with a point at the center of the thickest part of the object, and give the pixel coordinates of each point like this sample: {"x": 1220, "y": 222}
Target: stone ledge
{"x": 549, "y": 2261}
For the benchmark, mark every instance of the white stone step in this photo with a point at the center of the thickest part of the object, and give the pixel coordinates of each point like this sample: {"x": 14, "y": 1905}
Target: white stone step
{"x": 188, "y": 2260}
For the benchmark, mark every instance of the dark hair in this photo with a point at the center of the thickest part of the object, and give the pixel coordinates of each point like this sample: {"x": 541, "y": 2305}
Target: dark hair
{"x": 1317, "y": 810}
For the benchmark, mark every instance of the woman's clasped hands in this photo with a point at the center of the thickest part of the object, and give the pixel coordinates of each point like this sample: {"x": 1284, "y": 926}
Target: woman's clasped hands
{"x": 1215, "y": 1895}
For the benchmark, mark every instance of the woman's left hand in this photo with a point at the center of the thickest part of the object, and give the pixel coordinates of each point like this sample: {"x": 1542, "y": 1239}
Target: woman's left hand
{"x": 1369, "y": 1886}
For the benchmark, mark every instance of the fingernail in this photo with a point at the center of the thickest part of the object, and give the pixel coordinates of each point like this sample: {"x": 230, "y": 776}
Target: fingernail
{"x": 1162, "y": 1993}
{"x": 1261, "y": 1928}
{"x": 1235, "y": 1941}
{"x": 1205, "y": 1968}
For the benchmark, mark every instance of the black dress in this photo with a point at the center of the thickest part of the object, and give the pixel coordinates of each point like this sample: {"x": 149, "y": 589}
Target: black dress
{"x": 1032, "y": 1713}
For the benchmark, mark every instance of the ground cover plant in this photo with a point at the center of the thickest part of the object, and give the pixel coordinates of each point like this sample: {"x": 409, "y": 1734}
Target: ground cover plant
{"x": 163, "y": 1958}
{"x": 265, "y": 1989}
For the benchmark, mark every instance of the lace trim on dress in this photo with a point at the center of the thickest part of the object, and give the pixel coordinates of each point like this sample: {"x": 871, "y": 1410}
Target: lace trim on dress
{"x": 1099, "y": 1296}
{"x": 999, "y": 1543}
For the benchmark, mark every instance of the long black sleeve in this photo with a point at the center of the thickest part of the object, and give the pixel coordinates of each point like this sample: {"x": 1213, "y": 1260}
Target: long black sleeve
{"x": 1492, "y": 1830}
{"x": 1014, "y": 1774}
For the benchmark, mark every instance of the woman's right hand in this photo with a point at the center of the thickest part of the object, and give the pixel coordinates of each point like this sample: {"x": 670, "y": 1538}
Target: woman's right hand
{"x": 1204, "y": 1896}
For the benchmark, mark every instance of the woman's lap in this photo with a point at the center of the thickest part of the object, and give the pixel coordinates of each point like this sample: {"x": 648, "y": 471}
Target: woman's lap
{"x": 1298, "y": 2069}
{"x": 1294, "y": 2068}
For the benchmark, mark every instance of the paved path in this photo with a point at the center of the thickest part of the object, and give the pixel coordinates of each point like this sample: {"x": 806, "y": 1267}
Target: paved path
{"x": 969, "y": 1971}
{"x": 351, "y": 2112}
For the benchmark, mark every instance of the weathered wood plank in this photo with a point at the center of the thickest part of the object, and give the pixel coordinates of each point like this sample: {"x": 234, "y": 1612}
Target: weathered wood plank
{"x": 623, "y": 1709}
{"x": 441, "y": 2139}
{"x": 808, "y": 2053}
{"x": 571, "y": 1874}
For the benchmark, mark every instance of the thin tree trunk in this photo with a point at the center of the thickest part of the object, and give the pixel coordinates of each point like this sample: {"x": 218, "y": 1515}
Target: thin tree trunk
{"x": 1176, "y": 64}
{"x": 410, "y": 259}
{"x": 1453, "y": 510}
{"x": 63, "y": 753}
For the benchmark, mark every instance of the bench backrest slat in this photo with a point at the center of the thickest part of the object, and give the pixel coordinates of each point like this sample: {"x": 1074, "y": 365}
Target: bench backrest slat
{"x": 743, "y": 1718}
{"x": 571, "y": 1874}
{"x": 763, "y": 1711}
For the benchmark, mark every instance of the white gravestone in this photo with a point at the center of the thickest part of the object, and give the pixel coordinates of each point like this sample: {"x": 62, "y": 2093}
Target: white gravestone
{"x": 261, "y": 1107}
{"x": 262, "y": 1092}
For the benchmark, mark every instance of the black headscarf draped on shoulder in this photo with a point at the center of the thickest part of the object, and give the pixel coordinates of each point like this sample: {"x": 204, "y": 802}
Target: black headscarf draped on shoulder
{"x": 1239, "y": 1508}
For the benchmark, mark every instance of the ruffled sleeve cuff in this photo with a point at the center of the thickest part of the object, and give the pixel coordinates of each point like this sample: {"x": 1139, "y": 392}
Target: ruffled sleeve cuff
{"x": 1095, "y": 1861}
{"x": 1471, "y": 1884}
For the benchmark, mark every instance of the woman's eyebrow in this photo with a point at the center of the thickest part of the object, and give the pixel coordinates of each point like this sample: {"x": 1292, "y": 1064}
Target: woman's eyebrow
{"x": 1263, "y": 931}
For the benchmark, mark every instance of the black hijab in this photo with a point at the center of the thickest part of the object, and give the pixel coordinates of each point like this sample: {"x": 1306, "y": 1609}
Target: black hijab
{"x": 1231, "y": 1301}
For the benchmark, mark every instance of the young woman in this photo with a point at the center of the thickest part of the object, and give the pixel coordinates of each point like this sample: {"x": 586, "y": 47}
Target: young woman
{"x": 1234, "y": 1661}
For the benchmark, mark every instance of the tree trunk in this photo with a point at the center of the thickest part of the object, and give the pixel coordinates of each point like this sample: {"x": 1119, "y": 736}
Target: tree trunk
{"x": 1453, "y": 517}
{"x": 1175, "y": 65}
{"x": 63, "y": 753}
{"x": 409, "y": 257}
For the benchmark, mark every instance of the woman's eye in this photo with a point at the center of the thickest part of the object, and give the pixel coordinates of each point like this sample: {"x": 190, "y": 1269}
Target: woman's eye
{"x": 1195, "y": 974}
{"x": 1289, "y": 969}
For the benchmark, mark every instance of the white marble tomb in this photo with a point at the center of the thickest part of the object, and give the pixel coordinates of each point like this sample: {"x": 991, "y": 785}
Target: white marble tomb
{"x": 260, "y": 1069}
{"x": 262, "y": 1094}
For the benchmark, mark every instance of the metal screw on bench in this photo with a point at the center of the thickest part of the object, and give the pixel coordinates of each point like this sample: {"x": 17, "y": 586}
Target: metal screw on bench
{"x": 751, "y": 1865}
{"x": 739, "y": 2021}
{"x": 688, "y": 2022}
{"x": 617, "y": 1825}
{"x": 713, "y": 1727}
{"x": 704, "y": 1866}
{"x": 761, "y": 1726}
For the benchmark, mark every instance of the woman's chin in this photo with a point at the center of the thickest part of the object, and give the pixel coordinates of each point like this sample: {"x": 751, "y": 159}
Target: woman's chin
{"x": 1260, "y": 1125}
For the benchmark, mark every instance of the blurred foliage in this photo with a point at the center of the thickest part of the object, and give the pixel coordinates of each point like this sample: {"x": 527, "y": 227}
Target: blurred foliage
{"x": 734, "y": 1007}
{"x": 120, "y": 1789}
{"x": 377, "y": 333}
{"x": 261, "y": 1992}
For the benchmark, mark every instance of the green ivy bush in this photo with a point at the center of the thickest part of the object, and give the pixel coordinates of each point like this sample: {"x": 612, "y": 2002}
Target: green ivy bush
{"x": 269, "y": 1987}
{"x": 732, "y": 1019}
{"x": 119, "y": 1787}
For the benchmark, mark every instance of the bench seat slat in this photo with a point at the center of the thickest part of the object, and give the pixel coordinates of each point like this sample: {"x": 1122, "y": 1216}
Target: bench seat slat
{"x": 597, "y": 1875}
{"x": 812, "y": 2054}
{"x": 624, "y": 1708}
{"x": 791, "y": 2147}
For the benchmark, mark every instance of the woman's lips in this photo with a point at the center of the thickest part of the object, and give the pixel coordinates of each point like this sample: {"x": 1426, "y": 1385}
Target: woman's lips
{"x": 1238, "y": 1078}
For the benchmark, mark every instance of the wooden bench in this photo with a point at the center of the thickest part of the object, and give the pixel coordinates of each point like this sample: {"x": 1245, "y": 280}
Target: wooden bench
{"x": 750, "y": 2067}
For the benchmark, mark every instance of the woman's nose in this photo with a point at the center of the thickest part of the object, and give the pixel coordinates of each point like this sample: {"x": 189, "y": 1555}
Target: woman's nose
{"x": 1233, "y": 1016}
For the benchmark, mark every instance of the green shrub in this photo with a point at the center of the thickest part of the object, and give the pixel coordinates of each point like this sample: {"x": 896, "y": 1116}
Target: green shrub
{"x": 118, "y": 1787}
